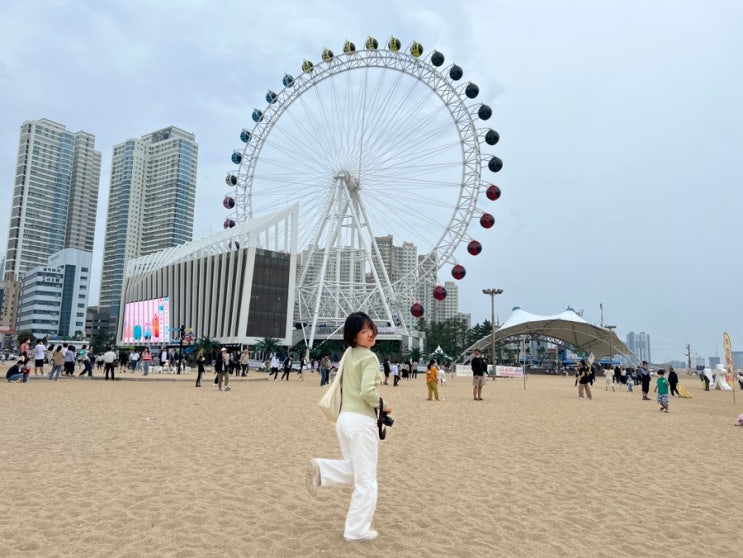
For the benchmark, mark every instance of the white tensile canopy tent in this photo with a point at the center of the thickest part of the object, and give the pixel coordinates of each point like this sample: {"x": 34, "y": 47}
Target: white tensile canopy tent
{"x": 566, "y": 327}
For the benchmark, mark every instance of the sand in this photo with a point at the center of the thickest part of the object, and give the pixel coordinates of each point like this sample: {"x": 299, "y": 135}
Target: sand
{"x": 155, "y": 467}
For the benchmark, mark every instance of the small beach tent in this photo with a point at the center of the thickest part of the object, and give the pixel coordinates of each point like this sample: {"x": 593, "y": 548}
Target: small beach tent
{"x": 439, "y": 354}
{"x": 566, "y": 327}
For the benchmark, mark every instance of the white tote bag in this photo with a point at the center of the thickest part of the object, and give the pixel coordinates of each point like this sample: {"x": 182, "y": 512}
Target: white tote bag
{"x": 331, "y": 402}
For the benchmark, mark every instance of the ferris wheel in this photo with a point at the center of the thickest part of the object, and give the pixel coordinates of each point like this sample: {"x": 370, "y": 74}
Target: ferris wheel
{"x": 380, "y": 149}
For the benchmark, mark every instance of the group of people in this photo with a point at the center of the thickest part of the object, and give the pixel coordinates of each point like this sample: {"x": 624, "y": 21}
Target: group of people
{"x": 664, "y": 386}
{"x": 62, "y": 358}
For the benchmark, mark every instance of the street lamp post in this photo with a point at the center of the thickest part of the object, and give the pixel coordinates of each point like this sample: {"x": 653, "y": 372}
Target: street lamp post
{"x": 492, "y": 293}
{"x": 611, "y": 329}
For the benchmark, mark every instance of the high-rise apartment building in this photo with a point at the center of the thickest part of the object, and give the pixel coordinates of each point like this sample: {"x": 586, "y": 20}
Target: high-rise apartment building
{"x": 54, "y": 203}
{"x": 150, "y": 204}
{"x": 639, "y": 343}
{"x": 401, "y": 264}
{"x": 55, "y": 195}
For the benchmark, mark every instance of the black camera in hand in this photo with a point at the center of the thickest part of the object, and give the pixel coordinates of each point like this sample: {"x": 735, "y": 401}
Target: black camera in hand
{"x": 383, "y": 420}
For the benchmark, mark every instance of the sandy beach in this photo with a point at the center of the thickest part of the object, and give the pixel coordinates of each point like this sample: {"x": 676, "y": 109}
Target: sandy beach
{"x": 156, "y": 467}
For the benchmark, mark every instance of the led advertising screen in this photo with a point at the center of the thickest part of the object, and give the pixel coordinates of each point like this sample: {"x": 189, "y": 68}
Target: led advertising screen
{"x": 147, "y": 322}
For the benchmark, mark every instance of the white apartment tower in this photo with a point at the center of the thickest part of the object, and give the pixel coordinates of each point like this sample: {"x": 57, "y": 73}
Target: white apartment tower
{"x": 55, "y": 195}
{"x": 54, "y": 204}
{"x": 150, "y": 205}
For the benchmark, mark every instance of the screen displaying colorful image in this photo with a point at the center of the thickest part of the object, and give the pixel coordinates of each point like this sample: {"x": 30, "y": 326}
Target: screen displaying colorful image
{"x": 147, "y": 322}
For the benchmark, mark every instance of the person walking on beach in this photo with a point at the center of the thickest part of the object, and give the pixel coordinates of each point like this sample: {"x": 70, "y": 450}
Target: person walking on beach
{"x": 645, "y": 380}
{"x": 39, "y": 356}
{"x": 287, "y": 364}
{"x": 478, "y": 375}
{"x": 109, "y": 363}
{"x": 584, "y": 380}
{"x": 200, "y": 359}
{"x": 302, "y": 366}
{"x": 661, "y": 386}
{"x": 432, "y": 380}
{"x": 57, "y": 363}
{"x": 673, "y": 380}
{"x": 395, "y": 367}
{"x": 146, "y": 360}
{"x": 69, "y": 361}
{"x": 387, "y": 369}
{"x": 222, "y": 366}
{"x": 87, "y": 363}
{"x": 609, "y": 379}
{"x": 325, "y": 365}
{"x": 275, "y": 363}
{"x": 244, "y": 362}
{"x": 164, "y": 359}
{"x": 356, "y": 429}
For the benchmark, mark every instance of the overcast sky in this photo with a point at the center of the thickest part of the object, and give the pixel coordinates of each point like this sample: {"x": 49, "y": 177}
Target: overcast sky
{"x": 621, "y": 129}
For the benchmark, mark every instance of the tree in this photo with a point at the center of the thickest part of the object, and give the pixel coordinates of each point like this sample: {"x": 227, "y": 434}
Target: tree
{"x": 24, "y": 336}
{"x": 101, "y": 341}
{"x": 206, "y": 346}
{"x": 414, "y": 355}
{"x": 334, "y": 347}
{"x": 388, "y": 349}
{"x": 478, "y": 331}
{"x": 267, "y": 346}
{"x": 451, "y": 335}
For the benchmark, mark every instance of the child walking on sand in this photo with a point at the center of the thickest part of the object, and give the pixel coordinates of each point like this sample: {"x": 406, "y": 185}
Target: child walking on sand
{"x": 432, "y": 380}
{"x": 661, "y": 386}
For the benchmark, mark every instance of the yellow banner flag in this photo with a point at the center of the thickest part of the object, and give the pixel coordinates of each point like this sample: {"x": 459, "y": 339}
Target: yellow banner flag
{"x": 728, "y": 357}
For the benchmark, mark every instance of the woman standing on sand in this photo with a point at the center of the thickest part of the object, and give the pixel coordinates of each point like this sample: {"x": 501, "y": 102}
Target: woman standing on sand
{"x": 584, "y": 379}
{"x": 356, "y": 429}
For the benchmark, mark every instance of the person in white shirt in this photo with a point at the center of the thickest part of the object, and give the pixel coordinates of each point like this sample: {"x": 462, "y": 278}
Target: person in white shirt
{"x": 275, "y": 363}
{"x": 109, "y": 358}
{"x": 39, "y": 356}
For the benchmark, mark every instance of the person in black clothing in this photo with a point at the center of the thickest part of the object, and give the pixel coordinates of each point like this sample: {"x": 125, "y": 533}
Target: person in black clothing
{"x": 645, "y": 380}
{"x": 584, "y": 380}
{"x": 386, "y": 368}
{"x": 673, "y": 381}
{"x": 478, "y": 375}
{"x": 15, "y": 372}
{"x": 287, "y": 367}
{"x": 200, "y": 368}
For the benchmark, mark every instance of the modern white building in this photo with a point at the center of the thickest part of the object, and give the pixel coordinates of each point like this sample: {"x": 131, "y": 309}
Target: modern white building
{"x": 236, "y": 286}
{"x": 53, "y": 205}
{"x": 54, "y": 297}
{"x": 150, "y": 205}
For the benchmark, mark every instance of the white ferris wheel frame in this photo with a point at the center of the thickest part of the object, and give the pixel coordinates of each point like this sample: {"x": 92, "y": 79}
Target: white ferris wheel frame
{"x": 314, "y": 305}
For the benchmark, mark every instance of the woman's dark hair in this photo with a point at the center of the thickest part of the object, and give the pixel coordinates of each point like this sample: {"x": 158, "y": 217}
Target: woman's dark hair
{"x": 431, "y": 363}
{"x": 354, "y": 323}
